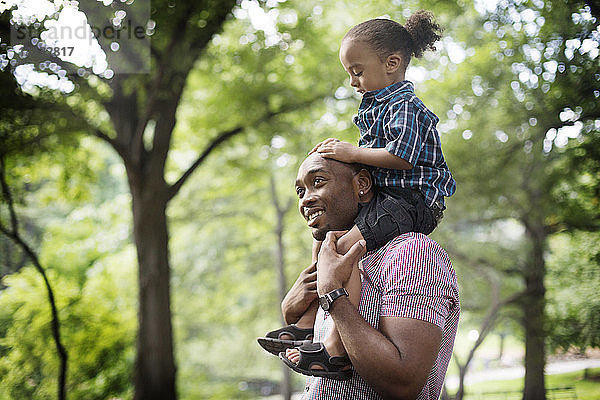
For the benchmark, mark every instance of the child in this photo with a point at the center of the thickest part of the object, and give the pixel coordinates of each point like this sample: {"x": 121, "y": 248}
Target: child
{"x": 400, "y": 145}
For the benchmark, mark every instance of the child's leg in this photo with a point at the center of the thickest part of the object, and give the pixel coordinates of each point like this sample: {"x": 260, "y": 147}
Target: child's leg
{"x": 333, "y": 342}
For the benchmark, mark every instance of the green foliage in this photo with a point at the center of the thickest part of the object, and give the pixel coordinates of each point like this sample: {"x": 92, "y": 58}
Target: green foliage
{"x": 573, "y": 281}
{"x": 59, "y": 209}
{"x": 494, "y": 126}
{"x": 510, "y": 105}
{"x": 98, "y": 328}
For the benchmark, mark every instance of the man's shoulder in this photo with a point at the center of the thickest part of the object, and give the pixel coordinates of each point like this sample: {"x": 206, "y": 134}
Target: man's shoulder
{"x": 413, "y": 252}
{"x": 414, "y": 259}
{"x": 405, "y": 245}
{"x": 411, "y": 242}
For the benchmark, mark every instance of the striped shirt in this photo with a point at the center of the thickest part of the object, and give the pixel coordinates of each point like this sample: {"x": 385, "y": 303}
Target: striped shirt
{"x": 410, "y": 277}
{"x": 395, "y": 119}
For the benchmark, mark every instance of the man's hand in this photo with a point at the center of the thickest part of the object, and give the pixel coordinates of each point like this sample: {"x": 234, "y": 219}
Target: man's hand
{"x": 334, "y": 269}
{"x": 337, "y": 150}
{"x": 302, "y": 293}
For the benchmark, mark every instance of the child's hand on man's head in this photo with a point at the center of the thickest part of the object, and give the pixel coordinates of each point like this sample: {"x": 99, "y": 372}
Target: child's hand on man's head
{"x": 337, "y": 150}
{"x": 314, "y": 149}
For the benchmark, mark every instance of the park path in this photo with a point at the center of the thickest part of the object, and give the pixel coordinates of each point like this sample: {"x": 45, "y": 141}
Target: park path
{"x": 557, "y": 367}
{"x": 507, "y": 373}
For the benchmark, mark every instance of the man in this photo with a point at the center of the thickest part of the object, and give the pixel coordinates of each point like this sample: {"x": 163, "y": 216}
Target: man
{"x": 400, "y": 338}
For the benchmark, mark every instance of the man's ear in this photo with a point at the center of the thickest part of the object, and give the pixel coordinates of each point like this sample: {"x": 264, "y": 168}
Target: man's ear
{"x": 363, "y": 182}
{"x": 393, "y": 62}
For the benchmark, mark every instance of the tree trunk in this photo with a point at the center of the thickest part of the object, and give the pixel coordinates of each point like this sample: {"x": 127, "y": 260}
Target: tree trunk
{"x": 533, "y": 314}
{"x": 154, "y": 373}
{"x": 286, "y": 385}
{"x": 462, "y": 371}
{"x": 501, "y": 346}
{"x": 485, "y": 329}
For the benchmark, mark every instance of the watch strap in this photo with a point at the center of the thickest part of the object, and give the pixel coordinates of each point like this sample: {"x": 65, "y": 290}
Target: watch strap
{"x": 332, "y": 296}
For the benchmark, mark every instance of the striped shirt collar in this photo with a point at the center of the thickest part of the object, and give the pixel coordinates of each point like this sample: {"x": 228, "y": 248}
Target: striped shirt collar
{"x": 391, "y": 90}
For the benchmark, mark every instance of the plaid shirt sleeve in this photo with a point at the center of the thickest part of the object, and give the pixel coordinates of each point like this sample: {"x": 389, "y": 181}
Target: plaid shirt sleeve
{"x": 403, "y": 131}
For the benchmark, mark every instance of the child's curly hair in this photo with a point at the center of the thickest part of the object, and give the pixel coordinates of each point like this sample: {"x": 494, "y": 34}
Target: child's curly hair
{"x": 385, "y": 36}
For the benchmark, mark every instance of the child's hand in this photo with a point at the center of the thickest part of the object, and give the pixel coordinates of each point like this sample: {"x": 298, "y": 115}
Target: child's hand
{"x": 319, "y": 145}
{"x": 336, "y": 149}
{"x": 324, "y": 142}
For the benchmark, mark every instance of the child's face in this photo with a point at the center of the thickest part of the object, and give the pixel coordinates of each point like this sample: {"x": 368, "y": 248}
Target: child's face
{"x": 367, "y": 72}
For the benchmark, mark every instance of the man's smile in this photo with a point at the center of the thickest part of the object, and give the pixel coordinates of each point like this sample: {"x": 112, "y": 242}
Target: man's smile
{"x": 312, "y": 215}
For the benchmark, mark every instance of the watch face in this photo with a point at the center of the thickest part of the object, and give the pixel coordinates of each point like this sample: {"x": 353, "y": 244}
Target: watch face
{"x": 324, "y": 303}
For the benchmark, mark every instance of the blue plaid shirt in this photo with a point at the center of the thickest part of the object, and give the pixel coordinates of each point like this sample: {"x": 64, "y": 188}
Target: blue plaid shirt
{"x": 395, "y": 119}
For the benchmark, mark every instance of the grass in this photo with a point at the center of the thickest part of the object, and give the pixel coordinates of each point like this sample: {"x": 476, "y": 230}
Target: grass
{"x": 586, "y": 389}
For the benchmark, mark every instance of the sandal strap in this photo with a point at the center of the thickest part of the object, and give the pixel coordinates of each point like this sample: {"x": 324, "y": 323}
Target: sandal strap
{"x": 293, "y": 331}
{"x": 312, "y": 354}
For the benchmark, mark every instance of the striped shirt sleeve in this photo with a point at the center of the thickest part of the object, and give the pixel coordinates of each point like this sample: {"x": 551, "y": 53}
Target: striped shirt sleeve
{"x": 417, "y": 282}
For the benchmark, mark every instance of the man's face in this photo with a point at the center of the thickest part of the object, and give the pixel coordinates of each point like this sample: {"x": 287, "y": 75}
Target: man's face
{"x": 367, "y": 72}
{"x": 327, "y": 195}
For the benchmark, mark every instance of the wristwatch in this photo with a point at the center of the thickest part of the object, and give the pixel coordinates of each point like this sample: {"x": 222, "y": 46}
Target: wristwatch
{"x": 327, "y": 300}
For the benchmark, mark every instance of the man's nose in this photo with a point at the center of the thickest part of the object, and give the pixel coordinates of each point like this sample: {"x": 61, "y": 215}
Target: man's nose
{"x": 307, "y": 200}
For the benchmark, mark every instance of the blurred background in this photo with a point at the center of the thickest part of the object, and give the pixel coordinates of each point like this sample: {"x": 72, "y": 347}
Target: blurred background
{"x": 148, "y": 219}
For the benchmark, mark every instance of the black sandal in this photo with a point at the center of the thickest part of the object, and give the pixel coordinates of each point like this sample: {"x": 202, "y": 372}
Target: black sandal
{"x": 312, "y": 354}
{"x": 273, "y": 343}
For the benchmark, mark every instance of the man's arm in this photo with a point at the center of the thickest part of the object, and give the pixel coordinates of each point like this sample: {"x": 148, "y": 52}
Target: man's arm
{"x": 394, "y": 361}
{"x": 301, "y": 295}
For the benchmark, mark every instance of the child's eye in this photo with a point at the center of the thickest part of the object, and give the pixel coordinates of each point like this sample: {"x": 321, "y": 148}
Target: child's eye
{"x": 357, "y": 74}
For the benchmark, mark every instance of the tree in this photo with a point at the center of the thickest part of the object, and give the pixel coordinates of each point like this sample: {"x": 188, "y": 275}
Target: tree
{"x": 530, "y": 72}
{"x": 13, "y": 232}
{"x": 484, "y": 276}
{"x": 220, "y": 80}
{"x": 280, "y": 211}
{"x": 573, "y": 278}
{"x": 142, "y": 115}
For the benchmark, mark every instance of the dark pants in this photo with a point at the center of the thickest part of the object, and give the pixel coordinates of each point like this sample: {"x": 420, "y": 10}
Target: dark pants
{"x": 392, "y": 212}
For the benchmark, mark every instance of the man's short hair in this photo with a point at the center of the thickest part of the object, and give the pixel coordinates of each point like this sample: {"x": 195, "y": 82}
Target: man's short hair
{"x": 357, "y": 167}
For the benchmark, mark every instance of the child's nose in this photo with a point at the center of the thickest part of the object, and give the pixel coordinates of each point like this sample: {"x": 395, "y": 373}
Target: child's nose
{"x": 353, "y": 81}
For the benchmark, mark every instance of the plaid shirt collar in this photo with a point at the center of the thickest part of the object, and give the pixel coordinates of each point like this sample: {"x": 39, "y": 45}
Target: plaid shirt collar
{"x": 392, "y": 90}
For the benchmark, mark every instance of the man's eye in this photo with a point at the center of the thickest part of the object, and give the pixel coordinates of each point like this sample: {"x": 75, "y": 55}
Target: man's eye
{"x": 300, "y": 192}
{"x": 318, "y": 180}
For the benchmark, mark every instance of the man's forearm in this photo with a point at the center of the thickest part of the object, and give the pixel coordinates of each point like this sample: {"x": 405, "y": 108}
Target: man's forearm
{"x": 290, "y": 310}
{"x": 301, "y": 295}
{"x": 288, "y": 316}
{"x": 376, "y": 359}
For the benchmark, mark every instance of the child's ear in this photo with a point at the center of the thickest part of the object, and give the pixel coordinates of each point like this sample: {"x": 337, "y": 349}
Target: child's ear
{"x": 393, "y": 62}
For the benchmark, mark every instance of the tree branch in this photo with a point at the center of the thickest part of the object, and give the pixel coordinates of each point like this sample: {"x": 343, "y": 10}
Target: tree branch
{"x": 13, "y": 233}
{"x": 486, "y": 327}
{"x": 223, "y": 136}
{"x": 164, "y": 61}
{"x": 114, "y": 143}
